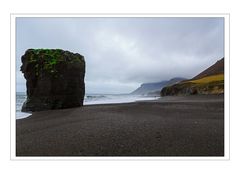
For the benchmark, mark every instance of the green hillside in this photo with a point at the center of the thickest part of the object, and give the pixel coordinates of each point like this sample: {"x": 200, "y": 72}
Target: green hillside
{"x": 208, "y": 85}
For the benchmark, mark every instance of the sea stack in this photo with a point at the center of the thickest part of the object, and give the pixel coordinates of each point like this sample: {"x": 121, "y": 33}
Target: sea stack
{"x": 55, "y": 79}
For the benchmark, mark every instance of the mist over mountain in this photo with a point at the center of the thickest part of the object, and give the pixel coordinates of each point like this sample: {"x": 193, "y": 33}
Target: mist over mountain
{"x": 146, "y": 88}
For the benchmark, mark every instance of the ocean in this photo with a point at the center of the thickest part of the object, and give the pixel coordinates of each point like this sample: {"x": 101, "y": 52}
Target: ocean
{"x": 89, "y": 99}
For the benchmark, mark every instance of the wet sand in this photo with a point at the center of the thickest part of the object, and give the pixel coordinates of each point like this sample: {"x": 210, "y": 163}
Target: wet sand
{"x": 170, "y": 126}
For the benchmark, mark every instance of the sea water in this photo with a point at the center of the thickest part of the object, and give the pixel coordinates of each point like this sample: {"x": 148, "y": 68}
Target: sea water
{"x": 89, "y": 99}
{"x": 20, "y": 99}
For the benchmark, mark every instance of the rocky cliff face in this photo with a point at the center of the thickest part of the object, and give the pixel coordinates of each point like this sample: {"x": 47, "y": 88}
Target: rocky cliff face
{"x": 55, "y": 79}
{"x": 189, "y": 88}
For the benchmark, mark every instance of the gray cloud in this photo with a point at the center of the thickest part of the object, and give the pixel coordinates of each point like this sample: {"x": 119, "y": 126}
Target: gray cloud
{"x": 121, "y": 53}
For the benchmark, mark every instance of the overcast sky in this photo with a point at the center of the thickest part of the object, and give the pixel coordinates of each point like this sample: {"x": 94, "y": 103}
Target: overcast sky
{"x": 122, "y": 53}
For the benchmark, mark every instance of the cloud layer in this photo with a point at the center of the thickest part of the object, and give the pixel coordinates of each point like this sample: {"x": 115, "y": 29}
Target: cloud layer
{"x": 122, "y": 53}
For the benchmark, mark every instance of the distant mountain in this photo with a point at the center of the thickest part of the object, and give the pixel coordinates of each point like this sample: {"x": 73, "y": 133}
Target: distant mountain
{"x": 209, "y": 81}
{"x": 146, "y": 88}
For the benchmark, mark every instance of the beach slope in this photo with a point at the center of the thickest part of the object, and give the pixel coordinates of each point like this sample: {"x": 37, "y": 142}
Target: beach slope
{"x": 170, "y": 126}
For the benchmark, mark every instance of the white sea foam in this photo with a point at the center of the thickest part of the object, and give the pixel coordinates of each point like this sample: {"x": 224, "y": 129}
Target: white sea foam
{"x": 20, "y": 115}
{"x": 111, "y": 98}
{"x": 89, "y": 99}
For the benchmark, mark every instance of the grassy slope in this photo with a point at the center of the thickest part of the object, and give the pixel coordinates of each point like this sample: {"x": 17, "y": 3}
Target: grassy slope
{"x": 209, "y": 79}
{"x": 213, "y": 84}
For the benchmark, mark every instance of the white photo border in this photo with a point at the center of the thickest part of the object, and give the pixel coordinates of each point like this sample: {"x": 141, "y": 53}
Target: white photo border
{"x": 226, "y": 17}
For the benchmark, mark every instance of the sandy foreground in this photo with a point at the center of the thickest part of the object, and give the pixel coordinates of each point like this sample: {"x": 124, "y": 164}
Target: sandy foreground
{"x": 170, "y": 126}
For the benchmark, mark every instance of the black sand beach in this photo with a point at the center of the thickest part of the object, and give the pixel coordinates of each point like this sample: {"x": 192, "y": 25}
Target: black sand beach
{"x": 170, "y": 126}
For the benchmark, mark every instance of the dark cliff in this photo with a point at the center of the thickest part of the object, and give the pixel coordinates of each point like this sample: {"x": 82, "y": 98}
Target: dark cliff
{"x": 55, "y": 79}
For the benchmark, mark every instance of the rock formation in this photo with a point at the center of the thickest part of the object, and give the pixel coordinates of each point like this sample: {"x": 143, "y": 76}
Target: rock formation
{"x": 55, "y": 79}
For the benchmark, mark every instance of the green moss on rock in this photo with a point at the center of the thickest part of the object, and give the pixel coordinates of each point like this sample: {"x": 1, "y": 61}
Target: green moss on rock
{"x": 48, "y": 59}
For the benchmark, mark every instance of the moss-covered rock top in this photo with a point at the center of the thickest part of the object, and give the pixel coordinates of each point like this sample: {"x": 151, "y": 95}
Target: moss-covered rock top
{"x": 48, "y": 59}
{"x": 53, "y": 55}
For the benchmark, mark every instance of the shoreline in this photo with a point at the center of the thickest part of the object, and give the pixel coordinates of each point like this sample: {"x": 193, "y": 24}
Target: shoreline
{"x": 114, "y": 103}
{"x": 169, "y": 126}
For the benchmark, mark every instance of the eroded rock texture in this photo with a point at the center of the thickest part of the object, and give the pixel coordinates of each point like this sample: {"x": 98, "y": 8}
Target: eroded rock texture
{"x": 55, "y": 79}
